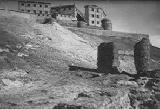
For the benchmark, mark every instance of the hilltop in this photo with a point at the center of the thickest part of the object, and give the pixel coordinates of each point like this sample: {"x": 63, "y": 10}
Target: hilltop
{"x": 35, "y": 61}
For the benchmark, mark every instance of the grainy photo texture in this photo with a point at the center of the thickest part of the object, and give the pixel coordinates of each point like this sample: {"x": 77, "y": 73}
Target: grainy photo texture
{"x": 79, "y": 54}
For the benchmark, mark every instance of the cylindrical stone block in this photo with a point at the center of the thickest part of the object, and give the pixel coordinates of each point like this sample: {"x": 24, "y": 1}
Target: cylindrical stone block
{"x": 106, "y": 24}
{"x": 80, "y": 24}
{"x": 142, "y": 55}
{"x": 105, "y": 57}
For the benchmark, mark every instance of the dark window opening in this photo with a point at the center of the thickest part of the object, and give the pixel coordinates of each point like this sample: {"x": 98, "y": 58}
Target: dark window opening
{"x": 97, "y": 16}
{"x": 92, "y": 22}
{"x": 97, "y": 22}
{"x": 97, "y": 10}
{"x": 22, "y": 10}
{"x": 46, "y": 6}
{"x": 34, "y": 11}
{"x": 34, "y": 5}
{"x": 40, "y": 12}
{"x": 28, "y": 5}
{"x": 46, "y": 12}
{"x": 69, "y": 8}
{"x": 28, "y": 11}
{"x": 92, "y": 15}
{"x": 22, "y": 4}
{"x": 92, "y": 9}
{"x": 40, "y": 5}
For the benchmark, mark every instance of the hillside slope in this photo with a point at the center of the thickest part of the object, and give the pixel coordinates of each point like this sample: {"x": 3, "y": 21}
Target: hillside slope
{"x": 34, "y": 67}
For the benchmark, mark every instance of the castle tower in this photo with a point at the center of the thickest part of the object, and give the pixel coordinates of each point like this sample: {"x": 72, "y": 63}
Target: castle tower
{"x": 94, "y": 15}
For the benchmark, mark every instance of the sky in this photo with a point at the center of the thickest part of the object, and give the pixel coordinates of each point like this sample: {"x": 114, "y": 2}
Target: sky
{"x": 138, "y": 16}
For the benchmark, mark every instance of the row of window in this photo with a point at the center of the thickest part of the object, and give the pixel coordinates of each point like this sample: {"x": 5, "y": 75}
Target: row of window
{"x": 93, "y": 22}
{"x": 35, "y": 11}
{"x": 63, "y": 9}
{"x": 35, "y": 5}
{"x": 66, "y": 16}
{"x": 94, "y": 16}
{"x": 93, "y": 9}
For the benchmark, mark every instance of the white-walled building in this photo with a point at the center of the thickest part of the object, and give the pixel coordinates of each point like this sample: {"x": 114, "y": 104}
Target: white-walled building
{"x": 34, "y": 7}
{"x": 94, "y": 15}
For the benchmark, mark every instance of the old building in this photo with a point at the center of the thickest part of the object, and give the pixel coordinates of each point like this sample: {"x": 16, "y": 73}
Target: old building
{"x": 94, "y": 15}
{"x": 67, "y": 12}
{"x": 34, "y": 7}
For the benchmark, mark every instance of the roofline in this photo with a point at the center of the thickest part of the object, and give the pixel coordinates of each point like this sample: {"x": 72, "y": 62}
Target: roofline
{"x": 61, "y": 6}
{"x": 33, "y": 2}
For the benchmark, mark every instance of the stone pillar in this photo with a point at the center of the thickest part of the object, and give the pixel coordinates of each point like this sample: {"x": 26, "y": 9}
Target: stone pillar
{"x": 105, "y": 57}
{"x": 106, "y": 24}
{"x": 80, "y": 24}
{"x": 142, "y": 55}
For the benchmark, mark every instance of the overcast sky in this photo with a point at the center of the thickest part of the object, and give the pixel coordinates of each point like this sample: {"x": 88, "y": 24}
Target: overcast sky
{"x": 127, "y": 16}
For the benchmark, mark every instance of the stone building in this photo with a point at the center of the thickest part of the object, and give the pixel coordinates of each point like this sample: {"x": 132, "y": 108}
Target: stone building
{"x": 34, "y": 7}
{"x": 67, "y": 12}
{"x": 94, "y": 15}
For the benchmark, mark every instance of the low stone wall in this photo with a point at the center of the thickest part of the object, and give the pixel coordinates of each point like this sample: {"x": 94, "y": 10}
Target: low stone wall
{"x": 100, "y": 32}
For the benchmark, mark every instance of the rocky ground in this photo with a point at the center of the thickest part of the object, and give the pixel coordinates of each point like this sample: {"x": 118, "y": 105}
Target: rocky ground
{"x": 46, "y": 66}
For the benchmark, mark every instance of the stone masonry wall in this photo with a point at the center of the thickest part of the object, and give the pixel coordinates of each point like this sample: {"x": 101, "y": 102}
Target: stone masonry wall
{"x": 142, "y": 55}
{"x": 110, "y": 57}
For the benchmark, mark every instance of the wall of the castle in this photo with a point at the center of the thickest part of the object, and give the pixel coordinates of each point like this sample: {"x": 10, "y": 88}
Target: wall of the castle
{"x": 64, "y": 12}
{"x": 37, "y": 8}
{"x": 94, "y": 15}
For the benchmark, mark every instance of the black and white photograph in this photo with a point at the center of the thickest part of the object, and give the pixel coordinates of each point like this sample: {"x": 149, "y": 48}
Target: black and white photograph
{"x": 79, "y": 54}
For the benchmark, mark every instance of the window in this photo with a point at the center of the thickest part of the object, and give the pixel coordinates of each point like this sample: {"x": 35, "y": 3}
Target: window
{"x": 40, "y": 12}
{"x": 22, "y": 4}
{"x": 34, "y": 11}
{"x": 92, "y": 15}
{"x": 46, "y": 6}
{"x": 69, "y": 8}
{"x": 40, "y": 5}
{"x": 92, "y": 9}
{"x": 92, "y": 22}
{"x": 64, "y": 9}
{"x": 46, "y": 12}
{"x": 97, "y": 16}
{"x": 22, "y": 10}
{"x": 97, "y": 22}
{"x": 97, "y": 10}
{"x": 28, "y": 10}
{"x": 28, "y": 5}
{"x": 34, "y": 5}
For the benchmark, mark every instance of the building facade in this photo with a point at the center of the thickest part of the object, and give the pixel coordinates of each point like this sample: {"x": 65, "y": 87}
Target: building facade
{"x": 66, "y": 12}
{"x": 34, "y": 7}
{"x": 94, "y": 15}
